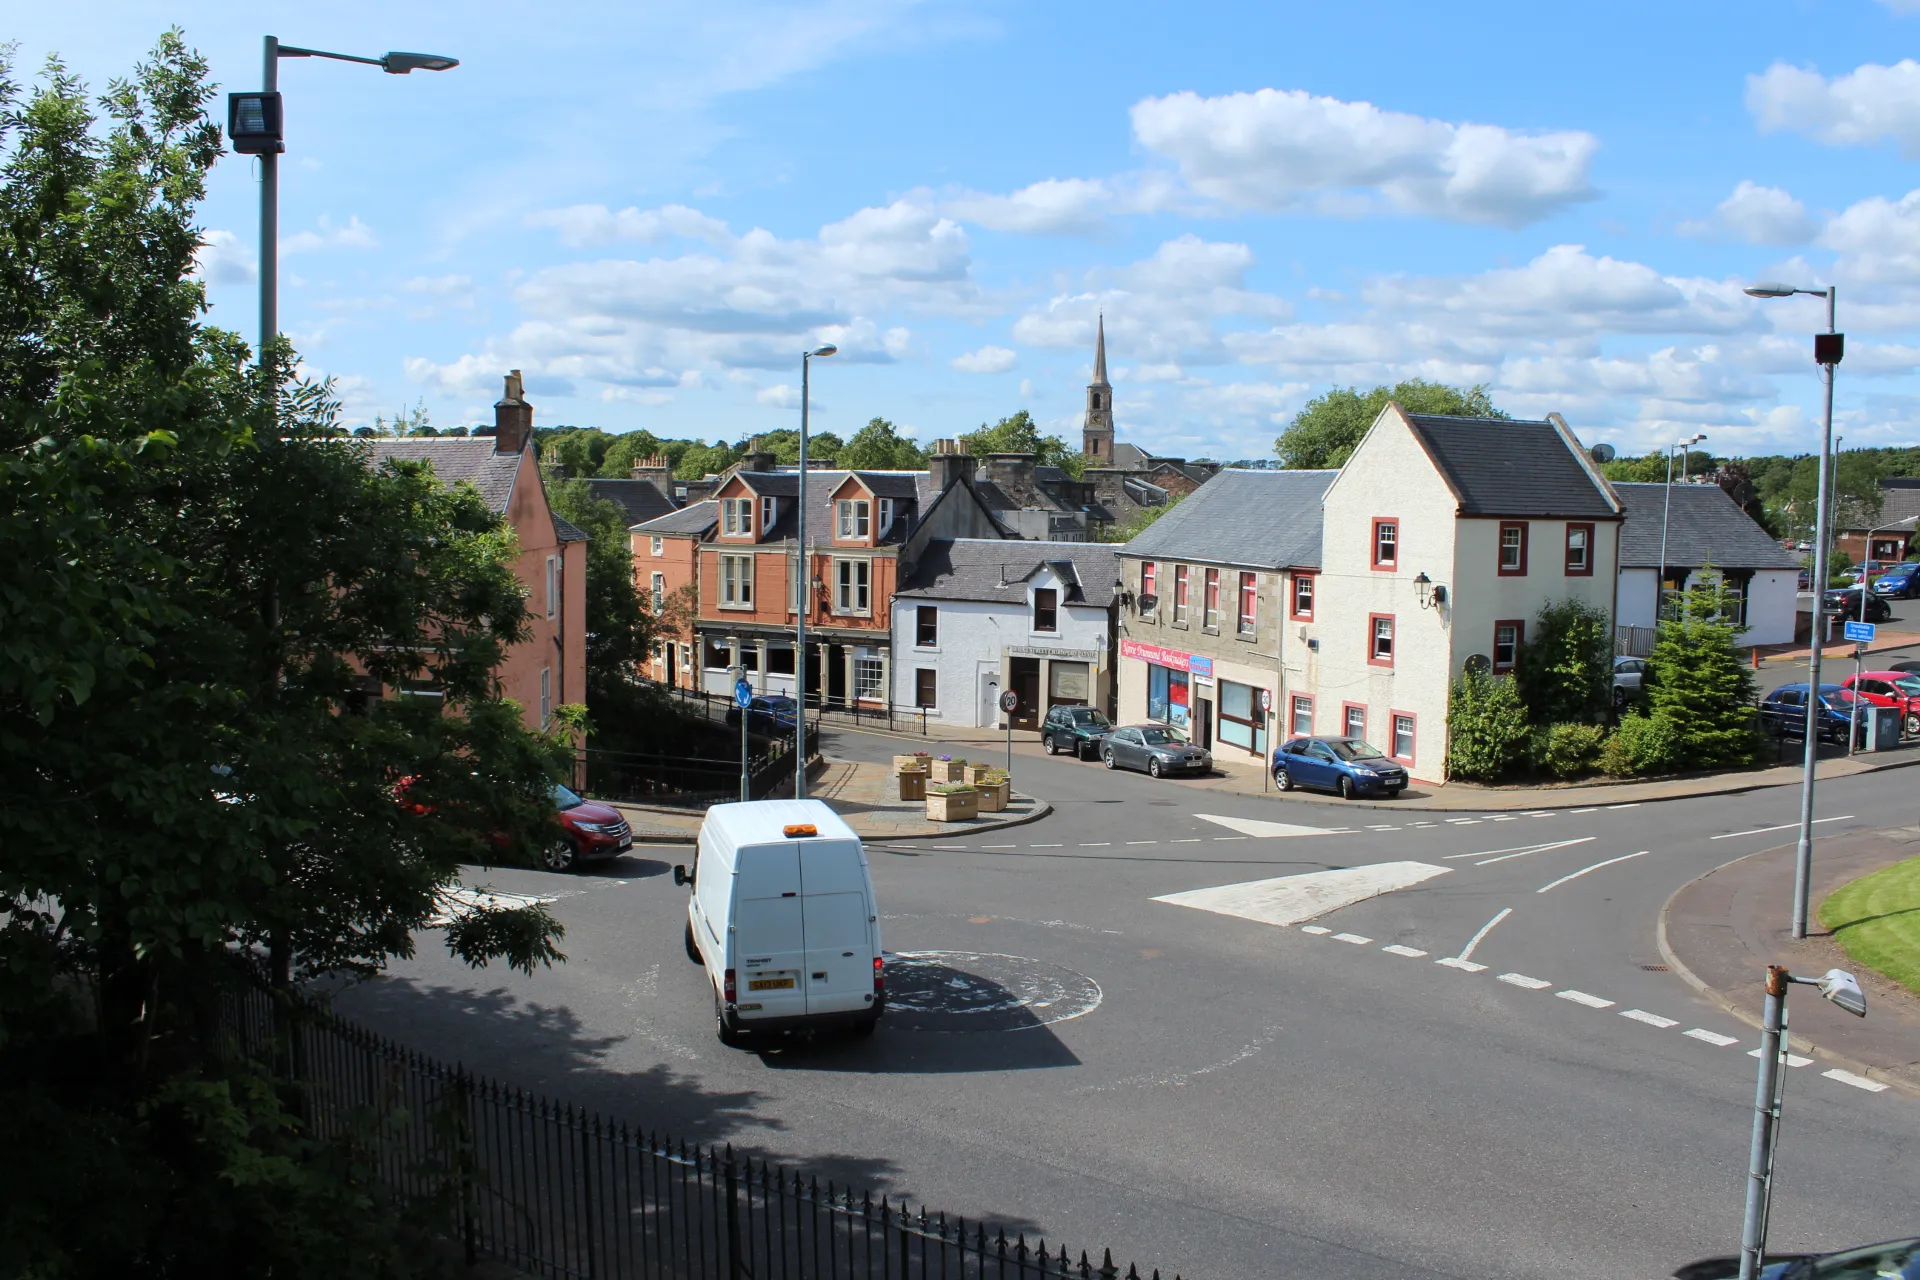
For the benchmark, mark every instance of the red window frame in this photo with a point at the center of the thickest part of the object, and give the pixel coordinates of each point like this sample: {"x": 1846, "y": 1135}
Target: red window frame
{"x": 1246, "y": 618}
{"x": 1346, "y": 719}
{"x": 1373, "y": 547}
{"x": 1210, "y": 600}
{"x": 1500, "y": 549}
{"x": 1180, "y": 593}
{"x": 1571, "y": 571}
{"x": 1294, "y": 611}
{"x": 1519, "y": 626}
{"x": 1373, "y": 649}
{"x": 1393, "y": 734}
{"x": 1293, "y": 701}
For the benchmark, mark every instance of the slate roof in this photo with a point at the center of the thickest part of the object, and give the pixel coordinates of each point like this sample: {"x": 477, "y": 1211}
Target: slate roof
{"x": 1501, "y": 467}
{"x": 695, "y": 519}
{"x": 455, "y": 459}
{"x": 1705, "y": 527}
{"x": 640, "y": 499}
{"x": 1899, "y": 502}
{"x": 1256, "y": 519}
{"x": 997, "y": 572}
{"x": 567, "y": 531}
{"x": 902, "y": 486}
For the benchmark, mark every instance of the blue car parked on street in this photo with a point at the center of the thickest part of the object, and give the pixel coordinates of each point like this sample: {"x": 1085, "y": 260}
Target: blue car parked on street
{"x": 1349, "y": 766}
{"x": 1901, "y": 580}
{"x": 1784, "y": 711}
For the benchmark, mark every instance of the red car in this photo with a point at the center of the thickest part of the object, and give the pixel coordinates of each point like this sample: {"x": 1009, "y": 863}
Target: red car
{"x": 1891, "y": 689}
{"x": 592, "y": 832}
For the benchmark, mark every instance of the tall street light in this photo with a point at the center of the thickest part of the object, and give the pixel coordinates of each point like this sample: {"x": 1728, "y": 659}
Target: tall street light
{"x": 803, "y": 595}
{"x": 256, "y": 127}
{"x": 1660, "y": 587}
{"x": 1828, "y": 347}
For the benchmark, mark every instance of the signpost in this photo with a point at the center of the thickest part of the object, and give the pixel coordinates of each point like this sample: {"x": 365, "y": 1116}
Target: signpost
{"x": 1861, "y": 633}
{"x": 743, "y": 699}
{"x": 1266, "y": 720}
{"x": 1010, "y": 703}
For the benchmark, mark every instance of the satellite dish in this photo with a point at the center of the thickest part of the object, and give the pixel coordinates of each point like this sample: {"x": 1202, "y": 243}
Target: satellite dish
{"x": 1601, "y": 452}
{"x": 1477, "y": 664}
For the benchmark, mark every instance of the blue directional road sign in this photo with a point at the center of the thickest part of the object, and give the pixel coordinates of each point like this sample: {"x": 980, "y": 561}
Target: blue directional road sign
{"x": 742, "y": 694}
{"x": 1859, "y": 632}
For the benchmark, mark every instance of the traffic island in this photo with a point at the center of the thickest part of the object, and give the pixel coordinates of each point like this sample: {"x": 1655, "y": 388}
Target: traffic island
{"x": 1721, "y": 931}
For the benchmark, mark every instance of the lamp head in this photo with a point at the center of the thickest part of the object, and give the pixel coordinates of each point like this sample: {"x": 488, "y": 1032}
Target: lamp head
{"x": 827, "y": 350}
{"x": 1840, "y": 987}
{"x": 398, "y": 64}
{"x": 1770, "y": 289}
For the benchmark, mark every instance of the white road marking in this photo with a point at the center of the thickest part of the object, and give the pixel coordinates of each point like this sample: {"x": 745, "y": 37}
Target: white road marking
{"x": 1651, "y": 1019}
{"x": 1383, "y": 828}
{"x": 1785, "y": 826}
{"x": 1858, "y": 1082}
{"x": 1259, "y": 826}
{"x": 999, "y": 846}
{"x": 1096, "y": 844}
{"x": 1581, "y": 997}
{"x": 1395, "y": 949}
{"x": 1791, "y": 1059}
{"x": 1232, "y": 837}
{"x": 1461, "y": 820}
{"x": 1594, "y": 808}
{"x": 1187, "y": 840}
{"x": 457, "y": 902}
{"x": 1465, "y": 966}
{"x": 1710, "y": 1037}
{"x": 1634, "y": 805}
{"x": 1314, "y": 928}
{"x": 1518, "y": 850}
{"x": 1143, "y": 842}
{"x": 1506, "y": 817}
{"x": 1522, "y": 980}
{"x": 1485, "y": 929}
{"x": 1422, "y": 824}
{"x": 1354, "y": 938}
{"x": 1045, "y": 846}
{"x": 1288, "y": 900}
{"x": 1539, "y": 813}
{"x": 1625, "y": 857}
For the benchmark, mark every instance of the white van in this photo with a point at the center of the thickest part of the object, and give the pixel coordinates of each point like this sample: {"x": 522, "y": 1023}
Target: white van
{"x": 784, "y": 920}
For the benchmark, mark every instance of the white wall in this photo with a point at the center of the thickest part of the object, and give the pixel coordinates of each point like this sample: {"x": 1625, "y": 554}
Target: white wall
{"x": 1773, "y": 603}
{"x": 1638, "y": 589}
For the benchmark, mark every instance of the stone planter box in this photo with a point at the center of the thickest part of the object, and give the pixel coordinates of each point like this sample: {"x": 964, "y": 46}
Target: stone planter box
{"x": 911, "y": 762}
{"x": 977, "y": 773}
{"x": 913, "y": 784}
{"x": 994, "y": 796}
{"x": 949, "y": 770}
{"x": 952, "y": 806}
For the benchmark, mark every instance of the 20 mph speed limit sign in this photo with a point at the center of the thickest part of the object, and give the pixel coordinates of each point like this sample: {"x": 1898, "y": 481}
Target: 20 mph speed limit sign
{"x": 1010, "y": 702}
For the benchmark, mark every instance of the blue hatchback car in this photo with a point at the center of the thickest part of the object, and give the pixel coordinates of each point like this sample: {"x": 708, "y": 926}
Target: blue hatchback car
{"x": 1901, "y": 580}
{"x": 1784, "y": 711}
{"x": 1349, "y": 766}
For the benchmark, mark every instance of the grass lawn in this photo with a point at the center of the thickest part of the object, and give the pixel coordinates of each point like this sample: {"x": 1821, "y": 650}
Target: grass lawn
{"x": 1876, "y": 919}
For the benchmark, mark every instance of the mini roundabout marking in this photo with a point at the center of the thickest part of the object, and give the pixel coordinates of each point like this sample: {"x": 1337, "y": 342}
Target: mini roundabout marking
{"x": 967, "y": 992}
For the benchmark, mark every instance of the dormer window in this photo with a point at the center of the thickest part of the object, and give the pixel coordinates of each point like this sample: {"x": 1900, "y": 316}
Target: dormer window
{"x": 769, "y": 508}
{"x": 886, "y": 516}
{"x": 736, "y": 517}
{"x": 854, "y": 520}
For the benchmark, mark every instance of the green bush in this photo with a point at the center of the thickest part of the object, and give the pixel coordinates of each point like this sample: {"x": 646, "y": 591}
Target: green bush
{"x": 1641, "y": 745}
{"x": 1570, "y": 748}
{"x": 1564, "y": 671}
{"x": 1487, "y": 733}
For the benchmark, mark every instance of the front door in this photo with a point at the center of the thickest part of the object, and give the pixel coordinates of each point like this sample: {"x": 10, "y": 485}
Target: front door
{"x": 836, "y": 663}
{"x": 989, "y": 700}
{"x": 1202, "y": 735}
{"x": 1026, "y": 683}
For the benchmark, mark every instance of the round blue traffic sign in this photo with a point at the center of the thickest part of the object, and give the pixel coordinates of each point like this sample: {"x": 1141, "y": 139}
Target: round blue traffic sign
{"x": 742, "y": 694}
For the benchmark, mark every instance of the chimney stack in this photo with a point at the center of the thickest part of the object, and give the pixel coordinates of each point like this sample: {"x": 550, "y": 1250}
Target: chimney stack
{"x": 948, "y": 464}
{"x": 755, "y": 458}
{"x": 512, "y": 418}
{"x": 656, "y": 470}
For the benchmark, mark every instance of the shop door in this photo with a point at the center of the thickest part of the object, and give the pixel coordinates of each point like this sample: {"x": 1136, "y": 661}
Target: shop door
{"x": 836, "y": 675}
{"x": 1202, "y": 735}
{"x": 1026, "y": 683}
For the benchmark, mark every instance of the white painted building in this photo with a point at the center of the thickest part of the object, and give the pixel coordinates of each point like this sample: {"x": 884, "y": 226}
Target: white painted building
{"x": 975, "y": 617}
{"x": 1706, "y": 535}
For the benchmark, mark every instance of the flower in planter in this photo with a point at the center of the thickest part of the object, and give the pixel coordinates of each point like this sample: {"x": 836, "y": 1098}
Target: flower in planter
{"x": 947, "y": 758}
{"x": 949, "y": 788}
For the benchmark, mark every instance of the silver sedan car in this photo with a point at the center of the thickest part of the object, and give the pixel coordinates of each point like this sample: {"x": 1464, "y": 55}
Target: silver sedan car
{"x": 1154, "y": 748}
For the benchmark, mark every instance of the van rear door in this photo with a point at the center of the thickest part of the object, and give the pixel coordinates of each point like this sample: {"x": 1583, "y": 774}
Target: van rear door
{"x": 836, "y": 900}
{"x": 769, "y": 944}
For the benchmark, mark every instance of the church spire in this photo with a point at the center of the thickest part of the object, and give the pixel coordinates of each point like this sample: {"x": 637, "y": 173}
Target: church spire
{"x": 1100, "y": 352}
{"x": 1096, "y": 436}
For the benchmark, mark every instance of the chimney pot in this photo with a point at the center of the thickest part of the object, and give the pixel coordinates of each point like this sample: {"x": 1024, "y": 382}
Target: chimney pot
{"x": 512, "y": 417}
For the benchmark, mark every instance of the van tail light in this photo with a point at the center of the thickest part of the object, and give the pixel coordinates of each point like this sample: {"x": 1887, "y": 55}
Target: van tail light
{"x": 879, "y": 976}
{"x": 730, "y": 990}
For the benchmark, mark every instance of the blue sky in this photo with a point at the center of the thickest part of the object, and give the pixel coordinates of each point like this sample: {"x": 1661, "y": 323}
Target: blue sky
{"x": 653, "y": 209}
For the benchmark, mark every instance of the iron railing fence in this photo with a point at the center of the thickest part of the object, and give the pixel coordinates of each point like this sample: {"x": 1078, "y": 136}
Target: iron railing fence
{"x": 561, "y": 1192}
{"x": 857, "y": 714}
{"x": 692, "y": 781}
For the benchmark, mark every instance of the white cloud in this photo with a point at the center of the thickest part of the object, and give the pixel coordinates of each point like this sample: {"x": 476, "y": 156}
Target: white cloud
{"x": 780, "y": 396}
{"x": 1758, "y": 215}
{"x": 1026, "y": 388}
{"x": 222, "y": 259}
{"x": 1054, "y": 206}
{"x": 582, "y": 225}
{"x": 328, "y": 234}
{"x": 986, "y": 360}
{"x": 1279, "y": 149}
{"x": 1870, "y": 104}
{"x": 1878, "y": 241}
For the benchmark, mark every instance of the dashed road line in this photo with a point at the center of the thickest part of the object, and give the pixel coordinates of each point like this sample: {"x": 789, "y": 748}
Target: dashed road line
{"x": 1506, "y": 817}
{"x": 1858, "y": 1082}
{"x": 1711, "y": 1037}
{"x": 1465, "y": 966}
{"x": 1096, "y": 844}
{"x": 1581, "y": 997}
{"x": 1383, "y": 828}
{"x": 1395, "y": 949}
{"x": 1634, "y": 805}
{"x": 1540, "y": 813}
{"x": 1046, "y": 846}
{"x": 1354, "y": 938}
{"x": 1589, "y": 809}
{"x": 1791, "y": 1059}
{"x": 1232, "y": 837}
{"x": 1187, "y": 840}
{"x": 1143, "y": 842}
{"x": 999, "y": 846}
{"x": 1314, "y": 928}
{"x": 1651, "y": 1019}
{"x": 1461, "y": 821}
{"x": 1522, "y": 980}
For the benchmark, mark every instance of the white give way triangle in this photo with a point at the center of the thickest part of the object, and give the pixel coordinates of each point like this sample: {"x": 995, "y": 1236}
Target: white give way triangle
{"x": 1255, "y": 827}
{"x": 1291, "y": 899}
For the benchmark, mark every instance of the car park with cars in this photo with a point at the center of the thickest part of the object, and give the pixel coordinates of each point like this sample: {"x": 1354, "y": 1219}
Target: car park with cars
{"x": 1845, "y": 603}
{"x": 1783, "y": 712}
{"x": 1349, "y": 767}
{"x": 1890, "y": 689}
{"x": 1156, "y": 749}
{"x": 1079, "y": 731}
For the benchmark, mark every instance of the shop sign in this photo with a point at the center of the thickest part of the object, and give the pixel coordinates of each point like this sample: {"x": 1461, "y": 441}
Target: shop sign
{"x": 1196, "y": 663}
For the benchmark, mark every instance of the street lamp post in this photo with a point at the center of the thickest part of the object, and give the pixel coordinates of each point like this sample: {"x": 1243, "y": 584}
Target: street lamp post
{"x": 1660, "y": 586}
{"x": 803, "y": 584}
{"x": 255, "y": 126}
{"x": 1827, "y": 350}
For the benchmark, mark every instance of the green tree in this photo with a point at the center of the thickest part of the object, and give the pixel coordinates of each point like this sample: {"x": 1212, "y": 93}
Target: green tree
{"x": 879, "y": 446}
{"x": 1487, "y": 732}
{"x": 198, "y": 573}
{"x": 1697, "y": 682}
{"x": 696, "y": 460}
{"x": 1020, "y": 434}
{"x": 625, "y": 450}
{"x": 1565, "y": 669}
{"x": 1329, "y": 428}
{"x": 1856, "y": 492}
{"x": 784, "y": 445}
{"x": 1141, "y": 521}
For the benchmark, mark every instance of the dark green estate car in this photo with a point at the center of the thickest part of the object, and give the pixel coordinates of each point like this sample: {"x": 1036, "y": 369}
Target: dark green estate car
{"x": 1079, "y": 730}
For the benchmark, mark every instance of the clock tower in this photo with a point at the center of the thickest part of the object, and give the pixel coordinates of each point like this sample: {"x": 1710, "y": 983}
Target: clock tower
{"x": 1096, "y": 440}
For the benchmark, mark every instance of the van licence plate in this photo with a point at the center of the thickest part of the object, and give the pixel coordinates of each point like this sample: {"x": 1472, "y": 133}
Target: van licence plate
{"x": 770, "y": 984}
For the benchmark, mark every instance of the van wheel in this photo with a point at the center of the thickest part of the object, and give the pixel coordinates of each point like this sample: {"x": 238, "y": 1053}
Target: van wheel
{"x": 693, "y": 949}
{"x": 728, "y": 1035}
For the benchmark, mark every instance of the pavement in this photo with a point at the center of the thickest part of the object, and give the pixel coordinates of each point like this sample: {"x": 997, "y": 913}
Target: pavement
{"x": 863, "y": 792}
{"x": 1721, "y": 931}
{"x": 1232, "y": 1036}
